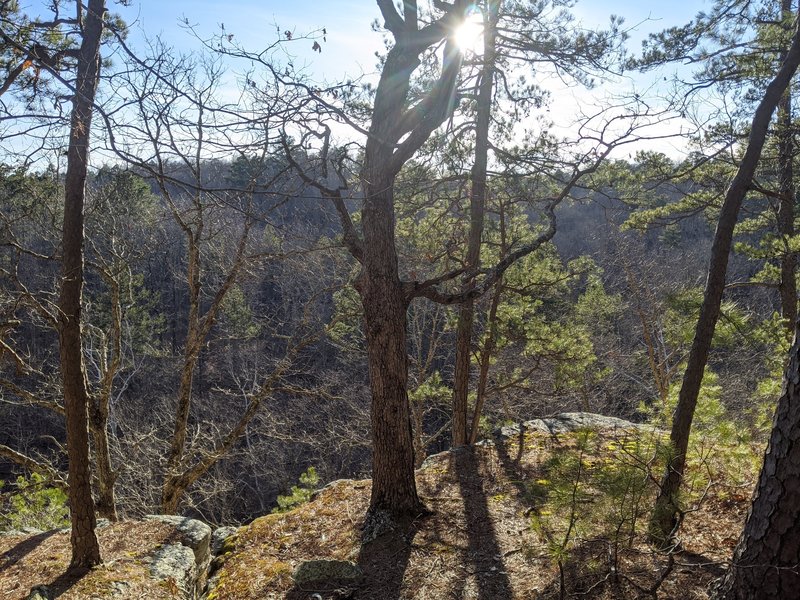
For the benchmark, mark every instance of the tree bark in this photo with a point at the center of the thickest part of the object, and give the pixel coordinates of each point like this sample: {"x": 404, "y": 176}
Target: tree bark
{"x": 396, "y": 132}
{"x": 665, "y": 517}
{"x": 85, "y": 547}
{"x": 100, "y": 403}
{"x": 393, "y": 484}
{"x": 477, "y": 205}
{"x": 766, "y": 563}
{"x": 485, "y": 362}
{"x": 788, "y": 285}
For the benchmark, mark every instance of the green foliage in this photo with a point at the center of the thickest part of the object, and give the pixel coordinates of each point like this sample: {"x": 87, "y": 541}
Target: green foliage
{"x": 34, "y": 504}
{"x": 719, "y": 446}
{"x": 345, "y": 327}
{"x": 299, "y": 494}
{"x": 771, "y": 333}
{"x": 431, "y": 389}
{"x": 594, "y": 486}
{"x": 236, "y": 315}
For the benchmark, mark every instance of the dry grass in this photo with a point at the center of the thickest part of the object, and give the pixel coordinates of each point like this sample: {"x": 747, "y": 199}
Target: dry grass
{"x": 493, "y": 535}
{"x": 28, "y": 561}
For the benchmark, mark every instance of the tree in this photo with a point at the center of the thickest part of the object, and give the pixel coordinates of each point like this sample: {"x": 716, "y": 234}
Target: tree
{"x": 665, "y": 513}
{"x": 405, "y": 113}
{"x": 85, "y": 547}
{"x": 219, "y": 208}
{"x": 765, "y": 561}
{"x": 477, "y": 203}
{"x": 528, "y": 37}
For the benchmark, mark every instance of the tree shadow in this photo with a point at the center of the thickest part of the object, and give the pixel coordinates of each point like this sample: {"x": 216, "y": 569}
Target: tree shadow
{"x": 53, "y": 588}
{"x": 383, "y": 562}
{"x": 513, "y": 468}
{"x": 15, "y": 554}
{"x": 62, "y": 584}
{"x": 483, "y": 552}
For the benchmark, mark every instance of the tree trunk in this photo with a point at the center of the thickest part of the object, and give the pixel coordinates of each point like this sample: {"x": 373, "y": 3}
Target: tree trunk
{"x": 385, "y": 314}
{"x": 397, "y": 130}
{"x": 788, "y": 285}
{"x": 765, "y": 563}
{"x": 477, "y": 205}
{"x": 85, "y": 548}
{"x": 665, "y": 517}
{"x": 485, "y": 362}
{"x": 100, "y": 407}
{"x": 106, "y": 476}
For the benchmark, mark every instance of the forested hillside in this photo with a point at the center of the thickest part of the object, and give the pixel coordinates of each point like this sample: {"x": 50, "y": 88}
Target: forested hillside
{"x": 227, "y": 280}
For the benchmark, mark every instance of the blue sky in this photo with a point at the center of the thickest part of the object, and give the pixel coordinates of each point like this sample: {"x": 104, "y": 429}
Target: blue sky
{"x": 351, "y": 43}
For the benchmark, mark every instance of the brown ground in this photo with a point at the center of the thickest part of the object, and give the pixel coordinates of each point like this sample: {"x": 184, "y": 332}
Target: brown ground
{"x": 495, "y": 534}
{"x": 28, "y": 561}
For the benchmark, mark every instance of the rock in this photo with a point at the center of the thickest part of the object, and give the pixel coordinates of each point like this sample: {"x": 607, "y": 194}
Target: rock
{"x": 194, "y": 534}
{"x": 196, "y": 538}
{"x": 221, "y": 540}
{"x": 40, "y": 592}
{"x": 120, "y": 590}
{"x": 175, "y": 564}
{"x": 12, "y": 532}
{"x": 377, "y": 523}
{"x": 341, "y": 571}
{"x": 569, "y": 422}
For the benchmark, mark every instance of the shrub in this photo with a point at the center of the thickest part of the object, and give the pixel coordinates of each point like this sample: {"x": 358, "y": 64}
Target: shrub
{"x": 299, "y": 494}
{"x": 34, "y": 504}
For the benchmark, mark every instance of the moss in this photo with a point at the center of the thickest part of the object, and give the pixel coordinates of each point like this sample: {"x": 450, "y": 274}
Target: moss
{"x": 229, "y": 545}
{"x": 232, "y": 584}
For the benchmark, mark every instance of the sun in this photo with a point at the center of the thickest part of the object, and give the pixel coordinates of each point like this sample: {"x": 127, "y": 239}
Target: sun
{"x": 469, "y": 35}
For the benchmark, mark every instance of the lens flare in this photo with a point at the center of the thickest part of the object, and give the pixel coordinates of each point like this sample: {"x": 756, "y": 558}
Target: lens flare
{"x": 469, "y": 35}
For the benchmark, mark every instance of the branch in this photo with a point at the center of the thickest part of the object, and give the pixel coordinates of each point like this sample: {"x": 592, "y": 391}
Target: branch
{"x": 33, "y": 465}
{"x": 422, "y": 119}
{"x": 351, "y": 239}
{"x": 392, "y": 19}
{"x": 414, "y": 289}
{"x": 31, "y": 399}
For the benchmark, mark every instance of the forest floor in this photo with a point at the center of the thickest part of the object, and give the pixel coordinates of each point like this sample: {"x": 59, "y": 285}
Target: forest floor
{"x": 532, "y": 515}
{"x": 42, "y": 559}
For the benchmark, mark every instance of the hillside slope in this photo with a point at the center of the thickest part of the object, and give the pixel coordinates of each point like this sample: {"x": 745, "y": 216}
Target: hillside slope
{"x": 549, "y": 508}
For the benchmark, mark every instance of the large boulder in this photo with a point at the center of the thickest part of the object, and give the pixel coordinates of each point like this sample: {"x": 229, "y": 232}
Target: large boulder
{"x": 569, "y": 422}
{"x": 175, "y": 565}
{"x": 171, "y": 562}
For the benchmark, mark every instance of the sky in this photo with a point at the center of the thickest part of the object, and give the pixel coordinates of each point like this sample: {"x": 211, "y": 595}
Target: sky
{"x": 350, "y": 43}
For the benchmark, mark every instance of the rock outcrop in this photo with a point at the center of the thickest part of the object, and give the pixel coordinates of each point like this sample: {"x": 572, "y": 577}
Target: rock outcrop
{"x": 185, "y": 562}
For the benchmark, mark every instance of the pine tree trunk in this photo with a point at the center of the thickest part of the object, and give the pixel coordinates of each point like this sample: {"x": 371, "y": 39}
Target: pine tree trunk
{"x": 665, "y": 517}
{"x": 788, "y": 285}
{"x": 385, "y": 314}
{"x": 765, "y": 563}
{"x": 477, "y": 206}
{"x": 466, "y": 315}
{"x": 85, "y": 548}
